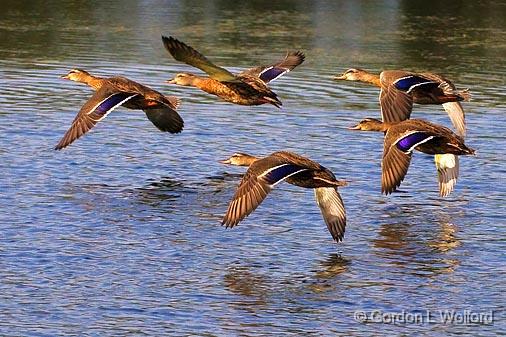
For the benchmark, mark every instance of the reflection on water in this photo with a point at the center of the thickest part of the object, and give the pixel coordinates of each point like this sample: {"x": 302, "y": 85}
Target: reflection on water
{"x": 325, "y": 277}
{"x": 162, "y": 192}
{"x": 240, "y": 280}
{"x": 413, "y": 247}
{"x": 446, "y": 240}
{"x": 334, "y": 265}
{"x": 121, "y": 232}
{"x": 393, "y": 239}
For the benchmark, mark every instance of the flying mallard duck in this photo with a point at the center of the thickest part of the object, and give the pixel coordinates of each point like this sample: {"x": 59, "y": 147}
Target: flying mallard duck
{"x": 400, "y": 89}
{"x": 402, "y": 138}
{"x": 265, "y": 173}
{"x": 247, "y": 88}
{"x": 114, "y": 91}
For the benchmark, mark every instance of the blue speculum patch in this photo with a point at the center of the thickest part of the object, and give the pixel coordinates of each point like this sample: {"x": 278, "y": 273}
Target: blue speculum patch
{"x": 111, "y": 102}
{"x": 281, "y": 172}
{"x": 411, "y": 140}
{"x": 271, "y": 74}
{"x": 406, "y": 83}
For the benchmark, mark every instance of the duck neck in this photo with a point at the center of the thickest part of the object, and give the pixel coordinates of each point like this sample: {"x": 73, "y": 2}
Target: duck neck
{"x": 208, "y": 85}
{"x": 384, "y": 127}
{"x": 379, "y": 126}
{"x": 93, "y": 81}
{"x": 370, "y": 78}
{"x": 248, "y": 160}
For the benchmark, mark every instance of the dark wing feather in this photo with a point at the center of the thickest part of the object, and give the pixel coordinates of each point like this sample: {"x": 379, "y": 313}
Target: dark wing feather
{"x": 254, "y": 187}
{"x": 411, "y": 139}
{"x": 271, "y": 72}
{"x": 165, "y": 119}
{"x": 160, "y": 109}
{"x": 184, "y": 53}
{"x": 94, "y": 110}
{"x": 249, "y": 86}
{"x": 251, "y": 192}
{"x": 394, "y": 166}
{"x": 395, "y": 105}
{"x": 332, "y": 207}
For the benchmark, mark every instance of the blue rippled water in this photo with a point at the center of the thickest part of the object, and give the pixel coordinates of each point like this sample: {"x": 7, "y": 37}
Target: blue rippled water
{"x": 119, "y": 234}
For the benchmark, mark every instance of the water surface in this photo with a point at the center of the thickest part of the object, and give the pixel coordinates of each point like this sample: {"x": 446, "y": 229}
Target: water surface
{"x": 120, "y": 234}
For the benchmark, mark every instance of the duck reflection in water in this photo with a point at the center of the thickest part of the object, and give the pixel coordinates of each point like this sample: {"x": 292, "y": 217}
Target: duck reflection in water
{"x": 325, "y": 277}
{"x": 255, "y": 287}
{"x": 416, "y": 250}
{"x": 160, "y": 192}
{"x": 332, "y": 266}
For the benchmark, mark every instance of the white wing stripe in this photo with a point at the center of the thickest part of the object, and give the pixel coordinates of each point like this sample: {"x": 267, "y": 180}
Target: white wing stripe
{"x": 417, "y": 85}
{"x": 112, "y": 108}
{"x": 413, "y": 86}
{"x": 284, "y": 178}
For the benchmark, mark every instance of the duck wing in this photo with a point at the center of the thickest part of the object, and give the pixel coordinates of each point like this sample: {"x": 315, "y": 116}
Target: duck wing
{"x": 160, "y": 109}
{"x": 396, "y": 159}
{"x": 163, "y": 115}
{"x": 258, "y": 181}
{"x": 103, "y": 102}
{"x": 184, "y": 53}
{"x": 453, "y": 109}
{"x": 395, "y": 104}
{"x": 271, "y": 72}
{"x": 332, "y": 208}
{"x": 394, "y": 167}
{"x": 165, "y": 118}
{"x": 250, "y": 86}
{"x": 447, "y": 171}
{"x": 457, "y": 116}
{"x": 398, "y": 147}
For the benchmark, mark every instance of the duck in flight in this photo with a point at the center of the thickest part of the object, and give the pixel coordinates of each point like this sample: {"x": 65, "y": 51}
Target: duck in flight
{"x": 402, "y": 138}
{"x": 265, "y": 173}
{"x": 116, "y": 91}
{"x": 249, "y": 87}
{"x": 400, "y": 89}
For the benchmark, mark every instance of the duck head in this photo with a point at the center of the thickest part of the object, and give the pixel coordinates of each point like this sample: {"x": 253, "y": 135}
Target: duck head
{"x": 77, "y": 75}
{"x": 370, "y": 124}
{"x": 239, "y": 159}
{"x": 352, "y": 74}
{"x": 184, "y": 79}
